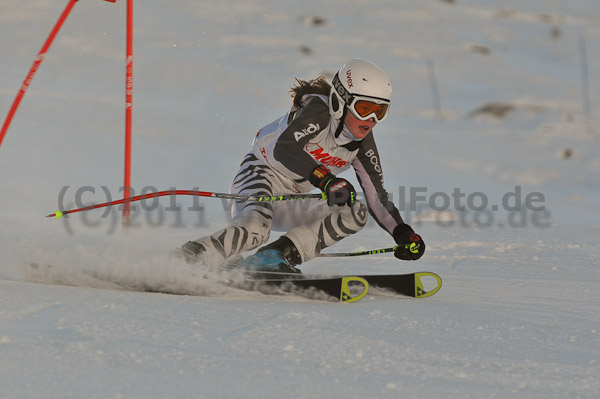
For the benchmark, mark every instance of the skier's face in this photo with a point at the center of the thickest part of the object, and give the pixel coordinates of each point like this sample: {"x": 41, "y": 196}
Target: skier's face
{"x": 359, "y": 129}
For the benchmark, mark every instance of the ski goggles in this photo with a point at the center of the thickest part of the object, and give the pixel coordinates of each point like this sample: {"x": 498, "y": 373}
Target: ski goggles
{"x": 365, "y": 108}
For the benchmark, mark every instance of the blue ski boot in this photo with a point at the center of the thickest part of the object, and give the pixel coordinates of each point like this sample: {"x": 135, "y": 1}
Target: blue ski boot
{"x": 281, "y": 256}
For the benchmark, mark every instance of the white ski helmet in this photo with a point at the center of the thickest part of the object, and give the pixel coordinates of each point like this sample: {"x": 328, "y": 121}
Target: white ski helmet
{"x": 363, "y": 88}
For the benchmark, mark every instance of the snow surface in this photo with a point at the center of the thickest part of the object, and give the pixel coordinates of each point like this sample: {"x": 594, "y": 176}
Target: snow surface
{"x": 517, "y": 316}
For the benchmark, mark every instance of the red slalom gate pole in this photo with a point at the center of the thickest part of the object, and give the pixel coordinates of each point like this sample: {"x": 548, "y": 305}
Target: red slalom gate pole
{"x": 34, "y": 68}
{"x": 128, "y": 109}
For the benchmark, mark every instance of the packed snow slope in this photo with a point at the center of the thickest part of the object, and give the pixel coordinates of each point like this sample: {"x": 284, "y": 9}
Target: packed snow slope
{"x": 490, "y": 150}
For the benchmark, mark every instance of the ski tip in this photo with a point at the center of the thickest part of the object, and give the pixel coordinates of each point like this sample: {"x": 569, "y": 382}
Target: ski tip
{"x": 420, "y": 291}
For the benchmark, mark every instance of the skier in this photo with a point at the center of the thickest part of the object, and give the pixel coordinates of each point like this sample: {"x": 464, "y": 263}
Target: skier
{"x": 327, "y": 130}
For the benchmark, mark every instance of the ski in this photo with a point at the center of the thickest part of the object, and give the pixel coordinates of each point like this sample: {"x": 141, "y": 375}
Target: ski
{"x": 345, "y": 288}
{"x": 410, "y": 284}
{"x": 339, "y": 287}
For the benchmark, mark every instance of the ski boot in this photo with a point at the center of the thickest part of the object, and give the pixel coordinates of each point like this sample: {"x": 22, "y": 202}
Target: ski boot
{"x": 281, "y": 256}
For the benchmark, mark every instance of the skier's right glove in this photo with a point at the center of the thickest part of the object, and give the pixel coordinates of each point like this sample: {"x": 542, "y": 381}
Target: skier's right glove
{"x": 410, "y": 244}
{"x": 338, "y": 191}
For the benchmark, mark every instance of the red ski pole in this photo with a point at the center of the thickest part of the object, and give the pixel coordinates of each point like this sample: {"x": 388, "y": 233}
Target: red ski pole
{"x": 258, "y": 198}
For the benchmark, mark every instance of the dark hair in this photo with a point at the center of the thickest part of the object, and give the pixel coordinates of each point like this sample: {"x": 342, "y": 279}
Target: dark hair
{"x": 315, "y": 86}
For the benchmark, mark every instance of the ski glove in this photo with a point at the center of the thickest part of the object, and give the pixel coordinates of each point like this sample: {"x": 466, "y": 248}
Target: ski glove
{"x": 410, "y": 244}
{"x": 338, "y": 191}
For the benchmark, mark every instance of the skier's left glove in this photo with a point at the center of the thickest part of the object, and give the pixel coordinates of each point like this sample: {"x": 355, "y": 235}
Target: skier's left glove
{"x": 410, "y": 244}
{"x": 338, "y": 191}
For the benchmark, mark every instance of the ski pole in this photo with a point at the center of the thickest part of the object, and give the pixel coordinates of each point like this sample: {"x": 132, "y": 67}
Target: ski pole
{"x": 358, "y": 253}
{"x": 257, "y": 198}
